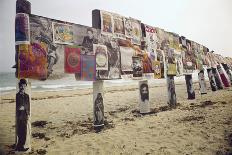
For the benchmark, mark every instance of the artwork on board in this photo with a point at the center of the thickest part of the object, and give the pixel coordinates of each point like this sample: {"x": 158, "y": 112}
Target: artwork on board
{"x": 119, "y": 28}
{"x": 72, "y": 59}
{"x": 22, "y": 29}
{"x": 157, "y": 69}
{"x": 179, "y": 64}
{"x": 171, "y": 69}
{"x": 107, "y": 25}
{"x": 147, "y": 63}
{"x": 85, "y": 37}
{"x": 189, "y": 59}
{"x": 151, "y": 38}
{"x": 206, "y": 57}
{"x": 128, "y": 27}
{"x": 173, "y": 41}
{"x": 114, "y": 65}
{"x": 136, "y": 31}
{"x": 88, "y": 68}
{"x": 42, "y": 34}
{"x": 101, "y": 54}
{"x": 32, "y": 61}
{"x": 199, "y": 57}
{"x": 62, "y": 33}
{"x": 126, "y": 58}
{"x": 161, "y": 59}
{"x": 137, "y": 66}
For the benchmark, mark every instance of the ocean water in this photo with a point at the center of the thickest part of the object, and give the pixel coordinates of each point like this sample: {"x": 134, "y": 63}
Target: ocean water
{"x": 8, "y": 83}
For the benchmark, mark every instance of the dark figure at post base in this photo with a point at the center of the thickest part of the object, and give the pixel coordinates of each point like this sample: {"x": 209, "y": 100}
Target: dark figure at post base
{"x": 22, "y": 115}
{"x": 98, "y": 111}
{"x": 189, "y": 84}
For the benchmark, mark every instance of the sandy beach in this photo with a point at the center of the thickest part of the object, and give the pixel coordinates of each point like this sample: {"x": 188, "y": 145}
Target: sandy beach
{"x": 62, "y": 123}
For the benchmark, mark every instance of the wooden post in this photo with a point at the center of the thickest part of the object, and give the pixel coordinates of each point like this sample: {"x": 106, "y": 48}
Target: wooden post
{"x": 223, "y": 75}
{"x": 23, "y": 94}
{"x": 217, "y": 77}
{"x": 23, "y": 116}
{"x": 202, "y": 82}
{"x": 171, "y": 91}
{"x": 144, "y": 105}
{"x": 190, "y": 88}
{"x": 228, "y": 72}
{"x": 98, "y": 106}
{"x": 212, "y": 79}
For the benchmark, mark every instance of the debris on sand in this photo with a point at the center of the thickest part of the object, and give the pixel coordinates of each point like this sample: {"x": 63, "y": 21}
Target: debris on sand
{"x": 39, "y": 124}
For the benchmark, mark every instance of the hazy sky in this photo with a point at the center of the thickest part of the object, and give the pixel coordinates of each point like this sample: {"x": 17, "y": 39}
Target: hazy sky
{"x": 208, "y": 22}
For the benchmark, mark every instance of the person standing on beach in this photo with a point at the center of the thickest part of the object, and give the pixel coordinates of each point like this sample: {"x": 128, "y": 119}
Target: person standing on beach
{"x": 22, "y": 115}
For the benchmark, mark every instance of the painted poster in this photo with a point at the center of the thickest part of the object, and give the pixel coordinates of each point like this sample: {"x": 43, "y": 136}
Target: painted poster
{"x": 147, "y": 63}
{"x": 42, "y": 34}
{"x": 56, "y": 63}
{"x": 126, "y": 58}
{"x": 22, "y": 29}
{"x": 144, "y": 105}
{"x": 171, "y": 91}
{"x": 85, "y": 37}
{"x": 88, "y": 67}
{"x": 119, "y": 28}
{"x": 62, "y": 33}
{"x": 203, "y": 55}
{"x": 213, "y": 62}
{"x": 136, "y": 31}
{"x": 151, "y": 38}
{"x": 128, "y": 27}
{"x": 199, "y": 57}
{"x": 202, "y": 83}
{"x": 179, "y": 64}
{"x": 23, "y": 116}
{"x": 114, "y": 65}
{"x": 107, "y": 25}
{"x": 72, "y": 59}
{"x": 32, "y": 61}
{"x": 114, "y": 59}
{"x": 189, "y": 85}
{"x": 171, "y": 69}
{"x": 98, "y": 104}
{"x": 157, "y": 69}
{"x": 174, "y": 41}
{"x": 183, "y": 42}
{"x": 161, "y": 59}
{"x": 189, "y": 59}
{"x": 101, "y": 54}
{"x": 206, "y": 57}
{"x": 137, "y": 66}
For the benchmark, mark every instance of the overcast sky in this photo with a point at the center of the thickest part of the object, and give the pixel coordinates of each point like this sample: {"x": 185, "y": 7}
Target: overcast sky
{"x": 208, "y": 22}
